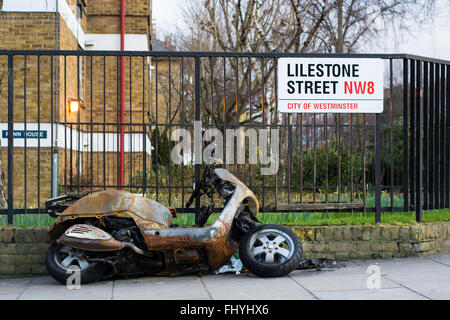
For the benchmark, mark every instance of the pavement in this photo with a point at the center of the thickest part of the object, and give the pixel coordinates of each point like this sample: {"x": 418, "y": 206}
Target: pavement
{"x": 418, "y": 278}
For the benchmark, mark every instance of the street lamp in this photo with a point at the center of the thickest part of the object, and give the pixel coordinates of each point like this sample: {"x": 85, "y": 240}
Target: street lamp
{"x": 74, "y": 105}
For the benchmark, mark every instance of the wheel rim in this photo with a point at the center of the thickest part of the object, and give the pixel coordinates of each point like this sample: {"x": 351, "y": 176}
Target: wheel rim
{"x": 67, "y": 258}
{"x": 271, "y": 246}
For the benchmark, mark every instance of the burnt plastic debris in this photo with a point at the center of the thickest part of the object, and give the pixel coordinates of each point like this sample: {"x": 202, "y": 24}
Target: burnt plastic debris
{"x": 235, "y": 266}
{"x": 319, "y": 264}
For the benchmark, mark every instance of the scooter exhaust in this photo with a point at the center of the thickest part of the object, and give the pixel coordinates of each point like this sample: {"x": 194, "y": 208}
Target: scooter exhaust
{"x": 90, "y": 238}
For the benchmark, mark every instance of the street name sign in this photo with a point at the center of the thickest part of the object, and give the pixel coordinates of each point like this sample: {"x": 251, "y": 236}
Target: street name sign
{"x": 330, "y": 85}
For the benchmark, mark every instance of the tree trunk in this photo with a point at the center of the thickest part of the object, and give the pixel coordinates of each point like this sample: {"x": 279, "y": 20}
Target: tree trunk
{"x": 340, "y": 31}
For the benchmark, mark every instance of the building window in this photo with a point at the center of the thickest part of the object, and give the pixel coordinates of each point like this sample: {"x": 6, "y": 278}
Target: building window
{"x": 80, "y": 9}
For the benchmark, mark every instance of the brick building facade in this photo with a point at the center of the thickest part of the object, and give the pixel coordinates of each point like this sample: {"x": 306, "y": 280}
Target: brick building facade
{"x": 86, "y": 141}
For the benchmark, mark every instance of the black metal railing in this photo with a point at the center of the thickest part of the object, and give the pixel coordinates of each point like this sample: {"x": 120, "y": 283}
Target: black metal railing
{"x": 394, "y": 161}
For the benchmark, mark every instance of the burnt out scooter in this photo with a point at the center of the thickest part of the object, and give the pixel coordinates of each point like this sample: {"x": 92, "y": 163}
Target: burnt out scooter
{"x": 116, "y": 233}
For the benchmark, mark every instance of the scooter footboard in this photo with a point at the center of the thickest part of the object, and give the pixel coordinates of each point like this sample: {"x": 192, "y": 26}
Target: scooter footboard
{"x": 217, "y": 242}
{"x": 176, "y": 238}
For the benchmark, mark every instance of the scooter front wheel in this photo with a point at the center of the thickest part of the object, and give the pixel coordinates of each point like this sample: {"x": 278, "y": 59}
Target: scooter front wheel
{"x": 63, "y": 261}
{"x": 270, "y": 251}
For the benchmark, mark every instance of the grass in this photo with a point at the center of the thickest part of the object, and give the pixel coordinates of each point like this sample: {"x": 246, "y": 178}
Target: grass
{"x": 349, "y": 218}
{"x": 333, "y": 218}
{"x": 282, "y": 218}
{"x": 28, "y": 220}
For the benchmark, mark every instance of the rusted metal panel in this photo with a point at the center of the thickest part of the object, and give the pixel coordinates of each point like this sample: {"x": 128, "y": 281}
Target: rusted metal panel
{"x": 144, "y": 211}
{"x": 218, "y": 244}
{"x": 241, "y": 193}
{"x": 181, "y": 244}
{"x": 216, "y": 238}
{"x": 100, "y": 203}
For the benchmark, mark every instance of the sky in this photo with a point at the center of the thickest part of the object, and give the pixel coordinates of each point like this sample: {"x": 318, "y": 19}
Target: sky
{"x": 432, "y": 40}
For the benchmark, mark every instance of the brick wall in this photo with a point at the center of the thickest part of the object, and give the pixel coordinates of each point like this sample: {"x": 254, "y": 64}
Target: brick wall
{"x": 27, "y": 31}
{"x": 38, "y": 31}
{"x": 22, "y": 251}
{"x": 21, "y": 30}
{"x": 133, "y": 164}
{"x": 168, "y": 101}
{"x": 112, "y": 7}
{"x": 104, "y": 16}
{"x": 369, "y": 242}
{"x": 49, "y": 31}
{"x": 111, "y": 24}
{"x": 106, "y": 92}
{"x": 43, "y": 166}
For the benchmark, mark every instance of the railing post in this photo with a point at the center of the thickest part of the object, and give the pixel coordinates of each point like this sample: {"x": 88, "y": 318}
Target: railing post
{"x": 144, "y": 161}
{"x": 412, "y": 133}
{"x": 10, "y": 137}
{"x": 378, "y": 168}
{"x": 197, "y": 118}
{"x": 405, "y": 138}
{"x": 425, "y": 112}
{"x": 447, "y": 204}
{"x": 419, "y": 154}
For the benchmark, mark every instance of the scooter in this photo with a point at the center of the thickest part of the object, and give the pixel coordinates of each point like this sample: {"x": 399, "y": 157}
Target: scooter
{"x": 115, "y": 233}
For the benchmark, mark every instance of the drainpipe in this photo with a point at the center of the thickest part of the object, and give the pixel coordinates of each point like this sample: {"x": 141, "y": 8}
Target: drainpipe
{"x": 56, "y": 124}
{"x": 122, "y": 88}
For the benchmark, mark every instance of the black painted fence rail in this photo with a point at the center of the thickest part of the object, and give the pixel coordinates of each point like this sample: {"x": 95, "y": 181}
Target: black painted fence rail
{"x": 395, "y": 161}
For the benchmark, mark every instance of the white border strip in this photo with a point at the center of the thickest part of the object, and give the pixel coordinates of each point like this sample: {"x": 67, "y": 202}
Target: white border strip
{"x": 72, "y": 23}
{"x": 104, "y": 41}
{"x": 68, "y": 138}
{"x": 29, "y": 5}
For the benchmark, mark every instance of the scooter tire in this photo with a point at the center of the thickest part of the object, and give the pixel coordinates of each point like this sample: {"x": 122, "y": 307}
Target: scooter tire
{"x": 92, "y": 273}
{"x": 278, "y": 268}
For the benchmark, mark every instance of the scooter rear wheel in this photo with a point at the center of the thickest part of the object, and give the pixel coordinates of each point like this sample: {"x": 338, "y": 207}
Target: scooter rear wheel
{"x": 270, "y": 251}
{"x": 62, "y": 261}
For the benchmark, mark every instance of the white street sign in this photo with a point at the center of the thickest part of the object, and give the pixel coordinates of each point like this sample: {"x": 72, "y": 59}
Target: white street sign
{"x": 330, "y": 85}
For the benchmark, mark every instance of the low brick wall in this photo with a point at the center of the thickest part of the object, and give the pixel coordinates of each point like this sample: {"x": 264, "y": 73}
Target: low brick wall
{"x": 22, "y": 250}
{"x": 372, "y": 241}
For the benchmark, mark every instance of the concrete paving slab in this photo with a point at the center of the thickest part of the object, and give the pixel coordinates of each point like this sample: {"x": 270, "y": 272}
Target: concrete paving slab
{"x": 9, "y": 296}
{"x": 407, "y": 278}
{"x": 421, "y": 274}
{"x": 349, "y": 268}
{"x": 14, "y": 286}
{"x": 393, "y": 262}
{"x": 370, "y": 294}
{"x": 346, "y": 267}
{"x": 337, "y": 280}
{"x": 250, "y": 287}
{"x": 159, "y": 288}
{"x": 441, "y": 258}
{"x": 46, "y": 288}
